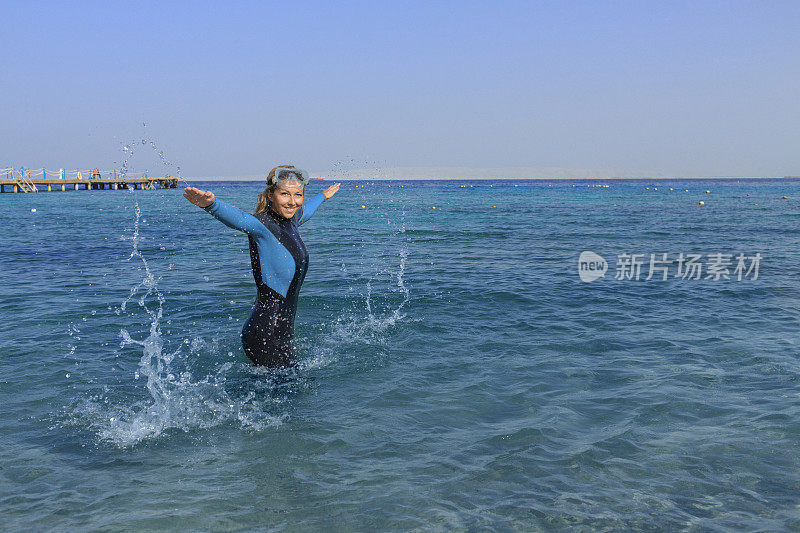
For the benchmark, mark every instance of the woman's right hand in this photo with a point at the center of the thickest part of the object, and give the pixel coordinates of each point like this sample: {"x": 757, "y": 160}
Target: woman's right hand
{"x": 198, "y": 197}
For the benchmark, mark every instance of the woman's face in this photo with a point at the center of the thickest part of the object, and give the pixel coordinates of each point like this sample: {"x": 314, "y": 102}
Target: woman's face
{"x": 286, "y": 200}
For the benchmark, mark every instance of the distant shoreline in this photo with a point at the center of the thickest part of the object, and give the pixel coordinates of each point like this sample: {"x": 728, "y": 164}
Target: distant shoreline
{"x": 651, "y": 178}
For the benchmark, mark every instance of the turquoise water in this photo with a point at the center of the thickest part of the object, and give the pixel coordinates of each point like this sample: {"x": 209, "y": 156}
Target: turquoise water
{"x": 454, "y": 370}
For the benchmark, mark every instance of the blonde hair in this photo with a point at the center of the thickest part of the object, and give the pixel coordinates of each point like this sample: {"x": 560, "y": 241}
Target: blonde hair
{"x": 262, "y": 203}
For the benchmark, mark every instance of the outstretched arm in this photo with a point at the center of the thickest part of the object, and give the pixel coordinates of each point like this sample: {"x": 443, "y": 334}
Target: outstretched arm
{"x": 311, "y": 206}
{"x": 229, "y": 215}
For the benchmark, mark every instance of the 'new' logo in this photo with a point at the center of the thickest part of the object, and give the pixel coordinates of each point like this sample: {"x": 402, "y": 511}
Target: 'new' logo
{"x": 591, "y": 266}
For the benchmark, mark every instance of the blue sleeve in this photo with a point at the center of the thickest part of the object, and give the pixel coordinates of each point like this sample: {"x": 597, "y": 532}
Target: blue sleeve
{"x": 235, "y": 218}
{"x": 311, "y": 206}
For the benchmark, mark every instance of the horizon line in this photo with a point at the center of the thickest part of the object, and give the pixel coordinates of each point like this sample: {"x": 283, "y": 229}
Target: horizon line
{"x": 328, "y": 179}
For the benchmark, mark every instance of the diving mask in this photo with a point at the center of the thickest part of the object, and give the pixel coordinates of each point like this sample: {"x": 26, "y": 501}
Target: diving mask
{"x": 284, "y": 176}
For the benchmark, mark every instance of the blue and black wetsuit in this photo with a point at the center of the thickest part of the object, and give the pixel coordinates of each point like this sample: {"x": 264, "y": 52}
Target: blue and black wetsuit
{"x": 279, "y": 260}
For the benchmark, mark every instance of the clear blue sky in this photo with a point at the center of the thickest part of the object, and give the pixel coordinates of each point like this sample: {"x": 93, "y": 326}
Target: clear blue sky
{"x": 231, "y": 88}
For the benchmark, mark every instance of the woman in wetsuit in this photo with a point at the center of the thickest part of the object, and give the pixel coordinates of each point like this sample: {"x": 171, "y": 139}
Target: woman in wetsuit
{"x": 277, "y": 255}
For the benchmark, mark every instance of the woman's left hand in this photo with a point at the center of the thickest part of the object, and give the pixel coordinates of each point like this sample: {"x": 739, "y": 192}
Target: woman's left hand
{"x": 330, "y": 191}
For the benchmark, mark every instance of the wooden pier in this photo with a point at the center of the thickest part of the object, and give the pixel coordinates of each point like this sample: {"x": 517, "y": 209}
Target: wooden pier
{"x": 25, "y": 184}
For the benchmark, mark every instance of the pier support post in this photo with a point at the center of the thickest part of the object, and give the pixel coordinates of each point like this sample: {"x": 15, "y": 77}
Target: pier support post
{"x": 115, "y": 186}
{"x": 16, "y": 188}
{"x": 49, "y": 188}
{"x": 63, "y": 187}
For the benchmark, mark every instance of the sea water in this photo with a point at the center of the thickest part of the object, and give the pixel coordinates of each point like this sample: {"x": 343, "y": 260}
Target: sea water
{"x": 454, "y": 369}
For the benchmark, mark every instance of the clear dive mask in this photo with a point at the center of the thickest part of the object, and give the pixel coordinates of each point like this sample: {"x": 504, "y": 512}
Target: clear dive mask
{"x": 284, "y": 176}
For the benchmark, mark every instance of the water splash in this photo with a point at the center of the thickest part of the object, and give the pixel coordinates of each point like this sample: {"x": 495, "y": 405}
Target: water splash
{"x": 154, "y": 364}
{"x": 380, "y": 315}
{"x": 175, "y": 399}
{"x": 130, "y": 148}
{"x": 368, "y": 326}
{"x": 350, "y": 167}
